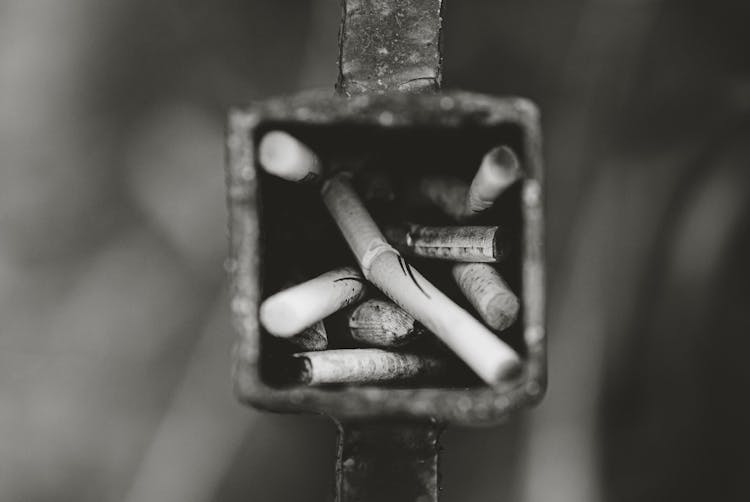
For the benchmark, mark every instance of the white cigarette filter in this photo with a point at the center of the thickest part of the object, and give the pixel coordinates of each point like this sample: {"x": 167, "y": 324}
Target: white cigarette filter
{"x": 290, "y": 311}
{"x": 456, "y": 243}
{"x": 499, "y": 169}
{"x": 488, "y": 293}
{"x": 382, "y": 323}
{"x": 488, "y": 356}
{"x": 361, "y": 366}
{"x": 314, "y": 337}
{"x": 284, "y": 156}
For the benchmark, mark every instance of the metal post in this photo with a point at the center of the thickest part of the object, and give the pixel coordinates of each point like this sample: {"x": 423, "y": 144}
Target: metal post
{"x": 388, "y": 46}
{"x": 387, "y": 461}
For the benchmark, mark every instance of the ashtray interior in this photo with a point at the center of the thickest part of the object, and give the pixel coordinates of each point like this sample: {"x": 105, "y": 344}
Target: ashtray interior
{"x": 299, "y": 240}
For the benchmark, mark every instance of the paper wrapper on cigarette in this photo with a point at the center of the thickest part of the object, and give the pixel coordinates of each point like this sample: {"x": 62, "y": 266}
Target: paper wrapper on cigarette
{"x": 365, "y": 366}
{"x": 488, "y": 293}
{"x": 488, "y": 356}
{"x": 472, "y": 244}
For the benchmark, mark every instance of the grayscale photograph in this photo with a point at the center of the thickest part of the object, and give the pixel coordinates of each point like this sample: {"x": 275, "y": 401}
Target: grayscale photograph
{"x": 374, "y": 251}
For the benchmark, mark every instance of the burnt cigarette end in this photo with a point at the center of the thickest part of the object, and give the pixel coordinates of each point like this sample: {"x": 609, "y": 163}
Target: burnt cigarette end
{"x": 300, "y": 370}
{"x": 501, "y": 245}
{"x": 509, "y": 372}
{"x": 381, "y": 323}
{"x": 398, "y": 237}
{"x": 506, "y": 162}
{"x": 313, "y": 338}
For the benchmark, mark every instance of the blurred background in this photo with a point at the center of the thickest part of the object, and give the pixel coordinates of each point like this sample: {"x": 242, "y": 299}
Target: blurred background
{"x": 114, "y": 325}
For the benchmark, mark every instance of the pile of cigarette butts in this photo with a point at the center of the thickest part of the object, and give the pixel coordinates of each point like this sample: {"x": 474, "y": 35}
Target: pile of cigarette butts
{"x": 410, "y": 306}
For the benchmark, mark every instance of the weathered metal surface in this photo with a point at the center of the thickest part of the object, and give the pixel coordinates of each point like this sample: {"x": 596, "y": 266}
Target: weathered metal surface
{"x": 389, "y": 45}
{"x": 387, "y": 461}
{"x": 457, "y": 112}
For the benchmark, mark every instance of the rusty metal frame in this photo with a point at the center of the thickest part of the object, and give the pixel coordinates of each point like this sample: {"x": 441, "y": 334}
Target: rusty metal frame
{"x": 390, "y": 45}
{"x": 472, "y": 406}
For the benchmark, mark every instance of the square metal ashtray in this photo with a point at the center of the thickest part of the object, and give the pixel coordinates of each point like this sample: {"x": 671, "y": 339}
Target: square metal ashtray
{"x": 274, "y": 224}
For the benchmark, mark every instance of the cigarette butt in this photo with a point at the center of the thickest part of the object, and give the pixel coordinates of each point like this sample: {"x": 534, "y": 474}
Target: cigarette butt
{"x": 382, "y": 323}
{"x": 284, "y": 156}
{"x": 446, "y": 193}
{"x": 361, "y": 366}
{"x": 488, "y": 356}
{"x": 290, "y": 311}
{"x": 465, "y": 244}
{"x": 488, "y": 293}
{"x": 314, "y": 337}
{"x": 498, "y": 170}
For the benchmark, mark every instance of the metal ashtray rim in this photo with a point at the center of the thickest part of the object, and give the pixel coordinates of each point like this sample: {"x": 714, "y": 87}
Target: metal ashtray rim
{"x": 472, "y": 406}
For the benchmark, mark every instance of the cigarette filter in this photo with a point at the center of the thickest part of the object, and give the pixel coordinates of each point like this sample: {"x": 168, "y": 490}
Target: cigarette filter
{"x": 284, "y": 156}
{"x": 488, "y": 293}
{"x": 292, "y": 310}
{"x": 381, "y": 323}
{"x": 487, "y": 355}
{"x": 362, "y": 366}
{"x": 498, "y": 170}
{"x": 464, "y": 244}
